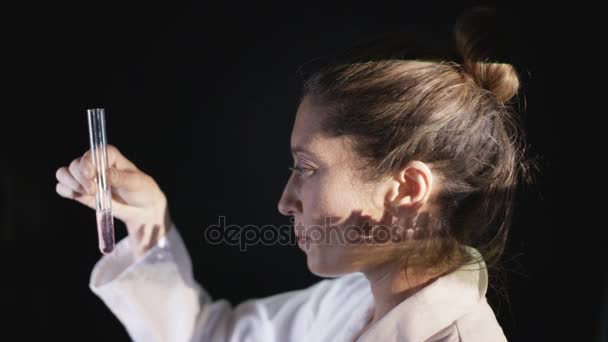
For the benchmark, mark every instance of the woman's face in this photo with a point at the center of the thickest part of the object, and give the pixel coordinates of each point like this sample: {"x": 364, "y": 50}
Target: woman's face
{"x": 327, "y": 197}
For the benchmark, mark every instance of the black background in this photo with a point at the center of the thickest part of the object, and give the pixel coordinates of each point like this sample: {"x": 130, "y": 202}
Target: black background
{"x": 202, "y": 97}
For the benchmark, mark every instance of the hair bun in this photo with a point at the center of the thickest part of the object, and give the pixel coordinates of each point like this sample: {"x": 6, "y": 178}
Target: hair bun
{"x": 499, "y": 78}
{"x": 478, "y": 33}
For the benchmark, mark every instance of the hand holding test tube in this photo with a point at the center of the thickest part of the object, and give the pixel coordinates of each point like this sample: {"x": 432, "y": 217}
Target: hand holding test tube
{"x": 108, "y": 182}
{"x": 103, "y": 195}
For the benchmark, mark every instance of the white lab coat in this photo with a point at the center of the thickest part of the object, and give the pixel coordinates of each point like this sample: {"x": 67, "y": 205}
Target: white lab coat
{"x": 157, "y": 299}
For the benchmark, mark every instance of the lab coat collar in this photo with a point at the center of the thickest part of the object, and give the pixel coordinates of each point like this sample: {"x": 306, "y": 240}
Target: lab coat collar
{"x": 435, "y": 307}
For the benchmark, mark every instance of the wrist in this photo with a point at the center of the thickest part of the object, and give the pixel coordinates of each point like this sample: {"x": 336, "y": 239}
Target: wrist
{"x": 146, "y": 231}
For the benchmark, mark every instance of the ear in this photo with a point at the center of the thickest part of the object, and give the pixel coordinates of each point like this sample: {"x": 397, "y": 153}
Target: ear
{"x": 410, "y": 188}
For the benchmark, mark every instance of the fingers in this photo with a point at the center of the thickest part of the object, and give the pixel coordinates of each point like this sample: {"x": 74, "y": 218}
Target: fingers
{"x": 115, "y": 159}
{"x": 65, "y": 178}
{"x": 66, "y": 192}
{"x": 77, "y": 181}
{"x": 86, "y": 166}
{"x": 119, "y": 210}
{"x": 77, "y": 173}
{"x": 80, "y": 174}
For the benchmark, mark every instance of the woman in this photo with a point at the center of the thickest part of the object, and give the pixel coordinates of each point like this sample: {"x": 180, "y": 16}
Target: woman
{"x": 405, "y": 167}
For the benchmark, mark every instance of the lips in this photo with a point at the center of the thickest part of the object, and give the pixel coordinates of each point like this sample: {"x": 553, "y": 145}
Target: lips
{"x": 302, "y": 241}
{"x": 301, "y": 237}
{"x": 299, "y": 229}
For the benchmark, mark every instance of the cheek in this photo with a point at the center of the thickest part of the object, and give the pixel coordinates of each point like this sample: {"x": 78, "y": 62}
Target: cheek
{"x": 329, "y": 197}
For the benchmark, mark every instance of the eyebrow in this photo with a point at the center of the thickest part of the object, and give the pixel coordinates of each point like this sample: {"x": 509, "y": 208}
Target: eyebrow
{"x": 295, "y": 149}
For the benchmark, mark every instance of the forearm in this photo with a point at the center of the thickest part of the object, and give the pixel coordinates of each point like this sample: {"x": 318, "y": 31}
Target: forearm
{"x": 155, "y": 297}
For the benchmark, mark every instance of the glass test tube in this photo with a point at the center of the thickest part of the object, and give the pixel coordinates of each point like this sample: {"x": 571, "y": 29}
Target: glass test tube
{"x": 103, "y": 195}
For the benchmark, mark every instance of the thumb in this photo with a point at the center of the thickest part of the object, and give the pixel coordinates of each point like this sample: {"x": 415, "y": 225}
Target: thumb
{"x": 126, "y": 179}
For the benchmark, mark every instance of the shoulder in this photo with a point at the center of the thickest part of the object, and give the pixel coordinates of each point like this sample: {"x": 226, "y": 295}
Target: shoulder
{"x": 480, "y": 324}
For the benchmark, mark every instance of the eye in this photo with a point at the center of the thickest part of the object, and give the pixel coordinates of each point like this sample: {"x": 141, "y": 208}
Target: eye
{"x": 302, "y": 171}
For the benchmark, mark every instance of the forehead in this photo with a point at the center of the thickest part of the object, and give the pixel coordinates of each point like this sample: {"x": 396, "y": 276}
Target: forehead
{"x": 307, "y": 134}
{"x": 307, "y": 124}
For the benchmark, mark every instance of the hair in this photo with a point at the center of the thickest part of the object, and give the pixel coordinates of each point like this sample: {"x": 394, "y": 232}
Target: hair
{"x": 396, "y": 101}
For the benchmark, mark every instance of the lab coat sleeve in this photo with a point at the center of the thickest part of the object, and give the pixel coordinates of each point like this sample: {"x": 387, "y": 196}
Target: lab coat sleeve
{"x": 157, "y": 299}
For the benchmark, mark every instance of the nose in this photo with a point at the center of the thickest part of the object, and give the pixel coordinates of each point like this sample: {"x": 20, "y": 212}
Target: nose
{"x": 288, "y": 205}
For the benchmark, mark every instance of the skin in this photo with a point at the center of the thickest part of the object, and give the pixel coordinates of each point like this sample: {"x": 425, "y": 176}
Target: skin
{"x": 327, "y": 185}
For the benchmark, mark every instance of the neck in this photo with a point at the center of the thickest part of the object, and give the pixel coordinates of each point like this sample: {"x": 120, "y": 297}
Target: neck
{"x": 392, "y": 285}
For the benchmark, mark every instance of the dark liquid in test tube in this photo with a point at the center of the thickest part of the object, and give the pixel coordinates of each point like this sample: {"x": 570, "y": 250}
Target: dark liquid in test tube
{"x": 105, "y": 229}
